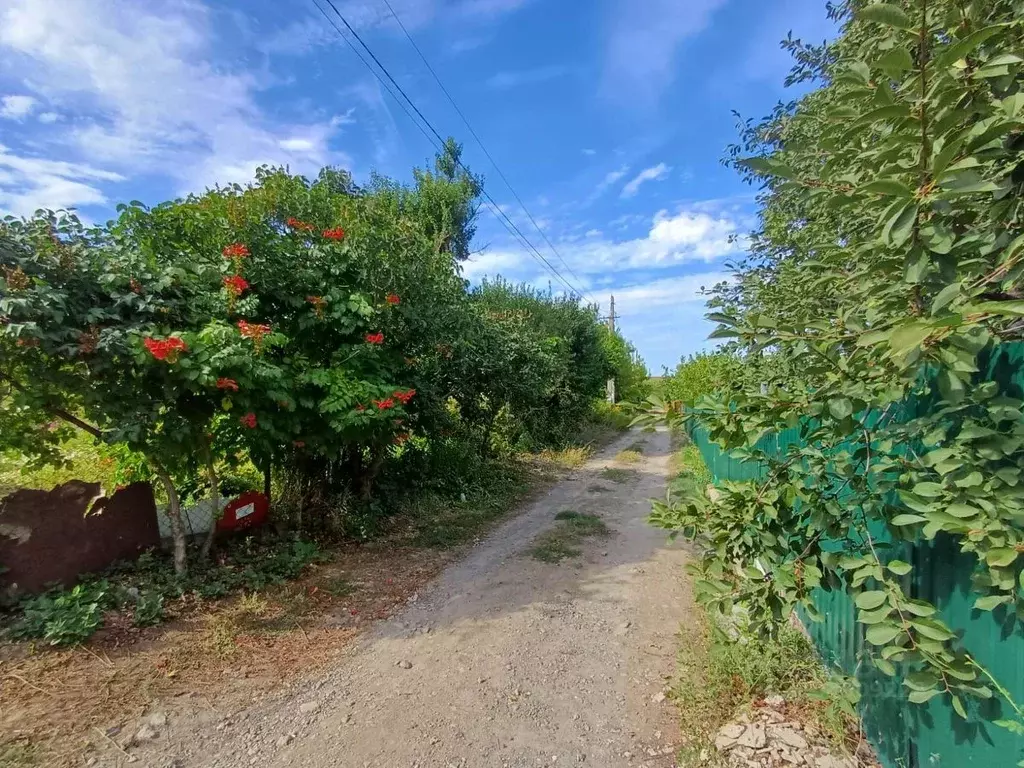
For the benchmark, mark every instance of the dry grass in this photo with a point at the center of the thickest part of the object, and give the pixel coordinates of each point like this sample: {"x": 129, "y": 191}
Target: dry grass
{"x": 567, "y": 458}
{"x": 629, "y": 457}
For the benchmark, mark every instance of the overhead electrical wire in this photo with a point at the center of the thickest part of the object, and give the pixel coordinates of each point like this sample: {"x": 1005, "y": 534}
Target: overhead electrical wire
{"x": 495, "y": 209}
{"x": 480, "y": 143}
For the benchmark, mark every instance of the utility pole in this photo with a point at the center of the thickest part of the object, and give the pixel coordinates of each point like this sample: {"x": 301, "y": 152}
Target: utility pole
{"x": 611, "y": 327}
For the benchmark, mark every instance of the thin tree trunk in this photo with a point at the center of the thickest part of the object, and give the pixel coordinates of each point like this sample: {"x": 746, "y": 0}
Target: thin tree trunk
{"x": 215, "y": 500}
{"x": 174, "y": 515}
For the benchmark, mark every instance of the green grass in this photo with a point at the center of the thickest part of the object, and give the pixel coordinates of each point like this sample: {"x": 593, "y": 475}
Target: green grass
{"x": 617, "y": 475}
{"x": 629, "y": 457}
{"x": 17, "y": 755}
{"x": 85, "y": 459}
{"x": 443, "y": 523}
{"x": 690, "y": 462}
{"x": 562, "y": 541}
{"x": 717, "y": 677}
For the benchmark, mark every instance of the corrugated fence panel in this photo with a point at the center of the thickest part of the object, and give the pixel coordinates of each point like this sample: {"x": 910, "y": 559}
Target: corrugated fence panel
{"x": 906, "y": 735}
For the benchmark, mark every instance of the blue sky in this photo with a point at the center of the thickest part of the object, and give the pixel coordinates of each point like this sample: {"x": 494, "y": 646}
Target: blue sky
{"x": 609, "y": 117}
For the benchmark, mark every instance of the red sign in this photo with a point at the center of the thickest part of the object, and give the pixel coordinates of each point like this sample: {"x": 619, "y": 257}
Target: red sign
{"x": 249, "y": 510}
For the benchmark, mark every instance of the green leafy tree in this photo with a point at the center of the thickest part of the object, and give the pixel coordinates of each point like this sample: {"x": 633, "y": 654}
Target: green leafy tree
{"x": 884, "y": 274}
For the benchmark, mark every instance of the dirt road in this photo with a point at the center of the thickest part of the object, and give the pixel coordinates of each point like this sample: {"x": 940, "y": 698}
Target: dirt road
{"x": 506, "y": 660}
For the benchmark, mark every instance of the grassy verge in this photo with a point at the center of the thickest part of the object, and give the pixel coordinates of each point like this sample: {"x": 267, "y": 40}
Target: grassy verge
{"x": 719, "y": 677}
{"x": 563, "y": 541}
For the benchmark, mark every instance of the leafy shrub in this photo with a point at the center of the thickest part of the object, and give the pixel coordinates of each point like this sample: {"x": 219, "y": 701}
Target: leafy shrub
{"x": 699, "y": 375}
{"x": 149, "y": 610}
{"x": 64, "y": 617}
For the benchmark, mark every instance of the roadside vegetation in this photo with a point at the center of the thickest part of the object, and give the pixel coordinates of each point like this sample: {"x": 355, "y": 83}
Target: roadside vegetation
{"x": 876, "y": 322}
{"x": 564, "y": 539}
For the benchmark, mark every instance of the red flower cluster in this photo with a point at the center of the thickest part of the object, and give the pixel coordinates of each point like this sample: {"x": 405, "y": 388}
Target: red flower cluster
{"x": 406, "y": 396}
{"x": 360, "y": 407}
{"x": 399, "y": 439}
{"x": 384, "y": 404}
{"x": 236, "y": 285}
{"x": 299, "y": 224}
{"x": 235, "y": 251}
{"x": 334, "y": 234}
{"x": 135, "y": 285}
{"x": 165, "y": 349}
{"x": 298, "y": 444}
{"x": 224, "y": 383}
{"x": 318, "y": 302}
{"x": 253, "y": 331}
{"x": 375, "y": 338}
{"x": 393, "y": 298}
{"x": 249, "y": 420}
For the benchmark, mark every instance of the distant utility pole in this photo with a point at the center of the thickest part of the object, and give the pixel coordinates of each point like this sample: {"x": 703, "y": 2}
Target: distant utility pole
{"x": 611, "y": 327}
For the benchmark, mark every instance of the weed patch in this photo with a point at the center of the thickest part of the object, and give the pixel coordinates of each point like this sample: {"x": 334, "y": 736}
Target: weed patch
{"x": 563, "y": 541}
{"x": 599, "y": 489}
{"x": 628, "y": 457}
{"x": 718, "y": 676}
{"x": 617, "y": 475}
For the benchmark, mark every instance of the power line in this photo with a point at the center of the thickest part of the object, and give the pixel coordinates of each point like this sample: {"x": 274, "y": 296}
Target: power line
{"x": 480, "y": 142}
{"x": 494, "y": 207}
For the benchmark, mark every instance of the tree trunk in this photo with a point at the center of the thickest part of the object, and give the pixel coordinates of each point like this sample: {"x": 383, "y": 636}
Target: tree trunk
{"x": 211, "y": 470}
{"x": 370, "y": 474}
{"x": 174, "y": 515}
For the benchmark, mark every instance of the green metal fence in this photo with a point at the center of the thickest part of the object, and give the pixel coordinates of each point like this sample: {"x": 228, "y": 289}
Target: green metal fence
{"x": 907, "y": 735}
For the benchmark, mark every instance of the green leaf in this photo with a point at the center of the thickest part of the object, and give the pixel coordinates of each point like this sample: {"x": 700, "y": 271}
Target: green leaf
{"x": 909, "y": 336}
{"x": 767, "y": 166}
{"x": 895, "y": 61}
{"x": 1002, "y": 557}
{"x": 887, "y": 667}
{"x": 1009, "y": 308}
{"x": 899, "y": 567}
{"x": 989, "y": 602}
{"x": 889, "y": 187}
{"x": 888, "y": 112}
{"x": 884, "y": 13}
{"x": 928, "y": 489}
{"x": 908, "y": 519}
{"x": 958, "y": 706}
{"x": 882, "y": 634}
{"x": 966, "y": 183}
{"x": 868, "y": 601}
{"x": 920, "y": 697}
{"x": 962, "y": 511}
{"x": 944, "y": 297}
{"x": 840, "y": 407}
{"x": 898, "y": 228}
{"x": 965, "y": 46}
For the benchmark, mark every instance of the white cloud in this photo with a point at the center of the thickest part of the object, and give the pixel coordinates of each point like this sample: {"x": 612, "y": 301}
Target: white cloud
{"x": 27, "y": 184}
{"x": 297, "y": 145}
{"x": 642, "y": 44}
{"x": 602, "y": 186}
{"x": 492, "y": 264}
{"x": 149, "y": 91}
{"x": 665, "y": 318}
{"x": 655, "y": 173}
{"x": 589, "y": 152}
{"x": 48, "y": 117}
{"x": 691, "y": 234}
{"x": 16, "y": 106}
{"x": 592, "y": 233}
